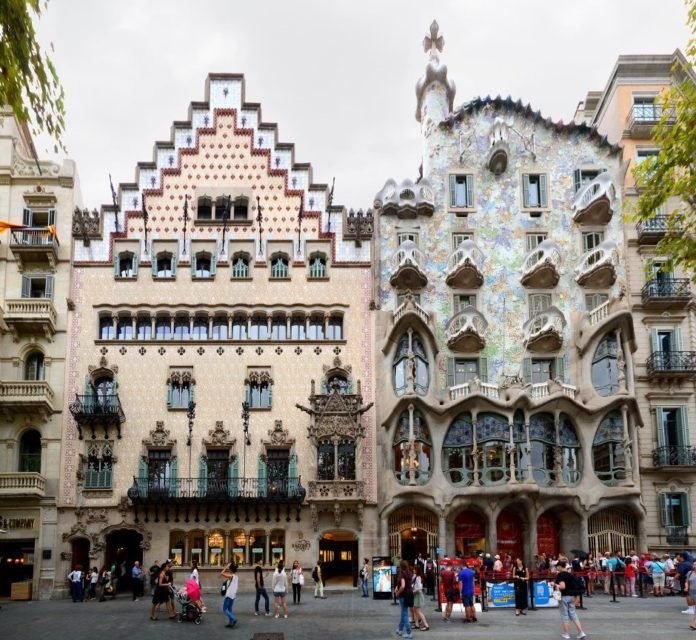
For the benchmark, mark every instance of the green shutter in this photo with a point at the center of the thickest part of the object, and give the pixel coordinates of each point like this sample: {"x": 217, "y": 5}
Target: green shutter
{"x": 292, "y": 475}
{"x": 686, "y": 509}
{"x": 194, "y": 265}
{"x": 453, "y": 190}
{"x": 247, "y": 393}
{"x": 665, "y": 519}
{"x": 527, "y": 370}
{"x": 213, "y": 265}
{"x": 170, "y": 393}
{"x": 173, "y": 474}
{"x": 262, "y": 477}
{"x": 677, "y": 337}
{"x": 525, "y": 190}
{"x": 683, "y": 427}
{"x": 173, "y": 266}
{"x": 202, "y": 477}
{"x": 270, "y": 395}
{"x": 233, "y": 477}
{"x": 89, "y": 395}
{"x": 142, "y": 476}
{"x": 154, "y": 266}
{"x": 136, "y": 261}
{"x": 192, "y": 391}
{"x": 543, "y": 197}
{"x": 469, "y": 191}
{"x": 51, "y": 216}
{"x": 577, "y": 179}
{"x": 116, "y": 261}
{"x": 559, "y": 368}
{"x": 483, "y": 369}
{"x": 653, "y": 340}
{"x": 450, "y": 372}
{"x": 660, "y": 421}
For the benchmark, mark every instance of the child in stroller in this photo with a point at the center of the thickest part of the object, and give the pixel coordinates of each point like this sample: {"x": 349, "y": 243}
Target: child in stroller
{"x": 192, "y": 606}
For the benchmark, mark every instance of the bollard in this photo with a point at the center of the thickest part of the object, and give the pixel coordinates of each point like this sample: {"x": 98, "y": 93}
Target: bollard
{"x": 530, "y": 587}
{"x": 484, "y": 595}
{"x": 612, "y": 589}
{"x": 641, "y": 576}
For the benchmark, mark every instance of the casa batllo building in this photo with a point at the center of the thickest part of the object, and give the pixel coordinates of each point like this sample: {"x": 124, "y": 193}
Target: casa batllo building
{"x": 508, "y": 419}
{"x": 220, "y": 361}
{"x": 37, "y": 198}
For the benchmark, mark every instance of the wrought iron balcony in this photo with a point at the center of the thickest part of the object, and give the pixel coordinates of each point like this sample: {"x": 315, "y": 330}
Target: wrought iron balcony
{"x": 22, "y": 484}
{"x": 666, "y": 292}
{"x": 408, "y": 268}
{"x": 597, "y": 267}
{"x": 34, "y": 244}
{"x": 674, "y": 457}
{"x": 677, "y": 535}
{"x": 542, "y": 266}
{"x": 465, "y": 331}
{"x": 465, "y": 266}
{"x": 651, "y": 231}
{"x": 594, "y": 202}
{"x": 672, "y": 363}
{"x": 643, "y": 117}
{"x": 544, "y": 331}
{"x": 97, "y": 410}
{"x": 31, "y": 315}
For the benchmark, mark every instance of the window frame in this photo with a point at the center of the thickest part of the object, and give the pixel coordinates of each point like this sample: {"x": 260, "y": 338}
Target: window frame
{"x": 236, "y": 269}
{"x": 281, "y": 272}
{"x": 469, "y": 191}
{"x": 543, "y": 192}
{"x": 534, "y": 238}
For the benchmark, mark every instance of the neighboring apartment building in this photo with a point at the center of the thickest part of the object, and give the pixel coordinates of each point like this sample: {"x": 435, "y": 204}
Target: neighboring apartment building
{"x": 36, "y": 197}
{"x": 234, "y": 282}
{"x": 662, "y": 304}
{"x": 507, "y": 414}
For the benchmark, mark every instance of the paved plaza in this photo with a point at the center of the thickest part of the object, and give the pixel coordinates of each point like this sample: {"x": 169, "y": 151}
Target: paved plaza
{"x": 341, "y": 615}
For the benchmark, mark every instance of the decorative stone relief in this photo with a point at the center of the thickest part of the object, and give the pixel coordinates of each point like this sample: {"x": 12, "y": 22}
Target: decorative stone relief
{"x": 159, "y": 437}
{"x": 219, "y": 437}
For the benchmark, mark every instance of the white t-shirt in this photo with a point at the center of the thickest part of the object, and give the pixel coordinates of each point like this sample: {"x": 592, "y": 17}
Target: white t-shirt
{"x": 95, "y": 577}
{"x": 280, "y": 581}
{"x": 75, "y": 575}
{"x": 296, "y": 575}
{"x": 232, "y": 586}
{"x": 194, "y": 576}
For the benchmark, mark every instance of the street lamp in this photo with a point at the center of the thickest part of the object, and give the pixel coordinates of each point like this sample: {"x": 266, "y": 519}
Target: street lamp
{"x": 190, "y": 414}
{"x": 247, "y": 441}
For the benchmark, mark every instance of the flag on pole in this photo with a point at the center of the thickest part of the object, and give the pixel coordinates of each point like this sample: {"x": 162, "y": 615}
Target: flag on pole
{"x": 4, "y": 226}
{"x": 53, "y": 232}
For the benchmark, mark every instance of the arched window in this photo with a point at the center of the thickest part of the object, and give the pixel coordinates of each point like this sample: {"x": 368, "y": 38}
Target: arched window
{"x": 222, "y": 208}
{"x": 334, "y": 328}
{"x": 605, "y": 366}
{"x": 240, "y": 266}
{"x": 106, "y": 328}
{"x": 259, "y": 328}
{"x": 239, "y": 328}
{"x": 571, "y": 461}
{"x": 104, "y": 390}
{"x": 326, "y": 461}
{"x": 203, "y": 265}
{"x": 163, "y": 329}
{"x": 180, "y": 390}
{"x": 492, "y": 437}
{"x": 542, "y": 436}
{"x": 412, "y": 456}
{"x": 316, "y": 328}
{"x": 144, "y": 328}
{"x": 126, "y": 265}
{"x": 608, "y": 454}
{"x": 30, "y": 452}
{"x": 457, "y": 451}
{"x": 124, "y": 328}
{"x": 34, "y": 366}
{"x": 204, "y": 210}
{"x": 164, "y": 265}
{"x": 241, "y": 209}
{"x": 410, "y": 368}
{"x": 317, "y": 266}
{"x": 336, "y": 461}
{"x": 280, "y": 266}
{"x": 200, "y": 328}
{"x": 297, "y": 328}
{"x": 259, "y": 394}
{"x": 279, "y": 328}
{"x": 182, "y": 328}
{"x": 220, "y": 328}
{"x": 337, "y": 382}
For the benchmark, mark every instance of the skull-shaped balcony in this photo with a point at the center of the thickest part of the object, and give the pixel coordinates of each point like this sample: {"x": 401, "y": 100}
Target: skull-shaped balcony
{"x": 405, "y": 200}
{"x": 464, "y": 267}
{"x": 498, "y": 150}
{"x": 594, "y": 202}
{"x": 541, "y": 268}
{"x": 543, "y": 332}
{"x": 466, "y": 331}
{"x": 597, "y": 267}
{"x": 408, "y": 267}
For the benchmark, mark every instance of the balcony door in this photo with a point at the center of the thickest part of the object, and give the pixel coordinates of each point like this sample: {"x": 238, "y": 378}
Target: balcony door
{"x": 666, "y": 340}
{"x": 278, "y": 466}
{"x": 104, "y": 389}
{"x": 672, "y": 430}
{"x": 158, "y": 471}
{"x": 218, "y": 468}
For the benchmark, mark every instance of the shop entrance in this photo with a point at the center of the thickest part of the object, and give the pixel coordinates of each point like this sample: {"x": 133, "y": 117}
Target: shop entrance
{"x": 612, "y": 530}
{"x": 469, "y": 533}
{"x": 338, "y": 553}
{"x": 16, "y": 564}
{"x": 414, "y": 542}
{"x": 80, "y": 553}
{"x": 509, "y": 529}
{"x": 123, "y": 548}
{"x": 412, "y": 530}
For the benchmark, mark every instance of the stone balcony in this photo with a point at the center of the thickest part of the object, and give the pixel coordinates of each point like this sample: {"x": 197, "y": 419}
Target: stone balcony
{"x": 31, "y": 316}
{"x": 34, "y": 244}
{"x": 542, "y": 266}
{"x": 405, "y": 200}
{"x": 22, "y": 484}
{"x": 544, "y": 331}
{"x": 336, "y": 490}
{"x": 594, "y": 201}
{"x": 408, "y": 268}
{"x": 597, "y": 268}
{"x": 465, "y": 266}
{"x": 410, "y": 306}
{"x": 537, "y": 392}
{"x": 465, "y": 332}
{"x": 30, "y": 396}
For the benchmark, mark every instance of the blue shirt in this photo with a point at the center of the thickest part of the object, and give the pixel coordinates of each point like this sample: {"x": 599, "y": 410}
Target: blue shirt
{"x": 466, "y": 578}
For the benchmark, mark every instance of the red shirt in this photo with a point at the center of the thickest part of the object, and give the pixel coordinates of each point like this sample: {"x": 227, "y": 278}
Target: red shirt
{"x": 630, "y": 570}
{"x": 447, "y": 579}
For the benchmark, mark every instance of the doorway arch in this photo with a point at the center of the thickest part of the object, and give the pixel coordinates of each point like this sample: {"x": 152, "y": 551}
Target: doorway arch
{"x": 612, "y": 529}
{"x": 338, "y": 554}
{"x": 123, "y": 548}
{"x": 412, "y": 530}
{"x": 80, "y": 553}
{"x": 510, "y": 533}
{"x": 470, "y": 533}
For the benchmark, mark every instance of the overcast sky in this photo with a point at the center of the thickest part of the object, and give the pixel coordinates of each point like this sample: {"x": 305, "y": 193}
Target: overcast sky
{"x": 336, "y": 76}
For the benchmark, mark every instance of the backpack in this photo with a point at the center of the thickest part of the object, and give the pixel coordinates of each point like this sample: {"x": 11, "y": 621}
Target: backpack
{"x": 362, "y": 574}
{"x": 223, "y": 589}
{"x": 574, "y": 586}
{"x": 315, "y": 574}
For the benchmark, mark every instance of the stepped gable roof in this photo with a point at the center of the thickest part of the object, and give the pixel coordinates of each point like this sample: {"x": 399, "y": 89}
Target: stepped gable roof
{"x": 526, "y": 110}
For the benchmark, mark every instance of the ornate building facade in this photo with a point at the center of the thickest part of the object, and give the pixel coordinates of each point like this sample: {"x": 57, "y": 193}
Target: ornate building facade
{"x": 662, "y": 302}
{"x": 219, "y": 292}
{"x": 37, "y": 198}
{"x": 507, "y": 414}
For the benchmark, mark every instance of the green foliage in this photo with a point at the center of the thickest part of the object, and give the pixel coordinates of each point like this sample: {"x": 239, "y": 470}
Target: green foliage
{"x": 672, "y": 173}
{"x": 29, "y": 82}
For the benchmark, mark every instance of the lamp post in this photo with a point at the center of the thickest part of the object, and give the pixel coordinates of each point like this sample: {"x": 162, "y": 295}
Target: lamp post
{"x": 247, "y": 441}
{"x": 190, "y": 414}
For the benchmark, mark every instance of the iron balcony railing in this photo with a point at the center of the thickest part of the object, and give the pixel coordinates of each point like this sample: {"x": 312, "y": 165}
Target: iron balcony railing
{"x": 647, "y": 114}
{"x": 662, "y": 288}
{"x": 677, "y": 534}
{"x": 680, "y": 362}
{"x": 233, "y": 490}
{"x": 34, "y": 237}
{"x": 659, "y": 223}
{"x": 671, "y": 456}
{"x": 92, "y": 410}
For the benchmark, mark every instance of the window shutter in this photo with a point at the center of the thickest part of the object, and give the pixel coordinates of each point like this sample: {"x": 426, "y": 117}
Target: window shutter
{"x": 170, "y": 393}
{"x": 213, "y": 265}
{"x": 677, "y": 339}
{"x": 202, "y": 477}
{"x": 653, "y": 340}
{"x": 116, "y": 265}
{"x": 142, "y": 476}
{"x": 51, "y": 216}
{"x": 683, "y": 427}
{"x": 453, "y": 191}
{"x": 469, "y": 191}
{"x": 527, "y": 370}
{"x": 270, "y": 394}
{"x": 262, "y": 477}
{"x": 154, "y": 266}
{"x": 27, "y": 216}
{"x": 543, "y": 197}
{"x": 577, "y": 179}
{"x": 525, "y": 190}
{"x": 173, "y": 266}
{"x": 450, "y": 372}
{"x": 483, "y": 369}
{"x": 292, "y": 475}
{"x": 49, "y": 288}
{"x": 559, "y": 368}
{"x": 26, "y": 287}
{"x": 173, "y": 473}
{"x": 233, "y": 477}
{"x": 660, "y": 423}
{"x": 192, "y": 391}
{"x": 686, "y": 509}
{"x": 194, "y": 264}
{"x": 664, "y": 510}
{"x": 136, "y": 260}
{"x": 247, "y": 393}
{"x": 89, "y": 395}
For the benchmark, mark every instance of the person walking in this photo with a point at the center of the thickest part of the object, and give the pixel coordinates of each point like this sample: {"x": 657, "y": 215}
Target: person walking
{"x": 230, "y": 574}
{"x": 466, "y": 577}
{"x": 75, "y": 577}
{"x": 280, "y": 589}
{"x": 419, "y": 599}
{"x": 404, "y": 592}
{"x": 93, "y": 582}
{"x": 105, "y": 582}
{"x": 137, "y": 577}
{"x": 260, "y": 589}
{"x": 365, "y": 577}
{"x": 520, "y": 575}
{"x": 161, "y": 594}
{"x": 318, "y": 582}
{"x": 448, "y": 588}
{"x": 297, "y": 579}
{"x": 194, "y": 572}
{"x": 154, "y": 576}
{"x": 691, "y": 590}
{"x": 569, "y": 586}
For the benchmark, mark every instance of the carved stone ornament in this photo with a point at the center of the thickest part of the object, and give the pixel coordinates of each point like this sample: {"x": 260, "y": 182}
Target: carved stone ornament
{"x": 337, "y": 368}
{"x": 181, "y": 376}
{"x": 219, "y": 437}
{"x": 259, "y": 376}
{"x": 102, "y": 370}
{"x": 278, "y": 437}
{"x": 301, "y": 545}
{"x": 159, "y": 437}
{"x": 86, "y": 225}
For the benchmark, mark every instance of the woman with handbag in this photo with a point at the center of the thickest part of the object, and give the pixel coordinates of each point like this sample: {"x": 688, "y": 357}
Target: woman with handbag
{"x": 690, "y": 586}
{"x": 161, "y": 595}
{"x": 297, "y": 582}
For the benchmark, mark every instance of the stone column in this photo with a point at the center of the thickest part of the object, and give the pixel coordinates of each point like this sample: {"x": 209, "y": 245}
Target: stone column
{"x": 226, "y": 555}
{"x": 153, "y": 322}
{"x": 191, "y": 320}
{"x": 512, "y": 450}
{"x": 267, "y": 549}
{"x": 492, "y": 531}
{"x": 628, "y": 449}
{"x": 585, "y": 533}
{"x": 475, "y": 450}
{"x": 442, "y": 530}
{"x": 229, "y": 326}
{"x": 530, "y": 468}
{"x": 134, "y": 327}
{"x": 205, "y": 559}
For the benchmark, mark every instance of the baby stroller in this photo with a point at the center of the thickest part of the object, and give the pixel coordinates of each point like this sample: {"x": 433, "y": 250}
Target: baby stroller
{"x": 186, "y": 597}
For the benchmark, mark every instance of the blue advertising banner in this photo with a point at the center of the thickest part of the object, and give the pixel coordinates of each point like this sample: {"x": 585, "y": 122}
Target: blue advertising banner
{"x": 542, "y": 594}
{"x": 503, "y": 594}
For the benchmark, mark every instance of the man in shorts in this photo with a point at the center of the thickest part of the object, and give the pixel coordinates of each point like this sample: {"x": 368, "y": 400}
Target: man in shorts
{"x": 466, "y": 580}
{"x": 449, "y": 589}
{"x": 568, "y": 584}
